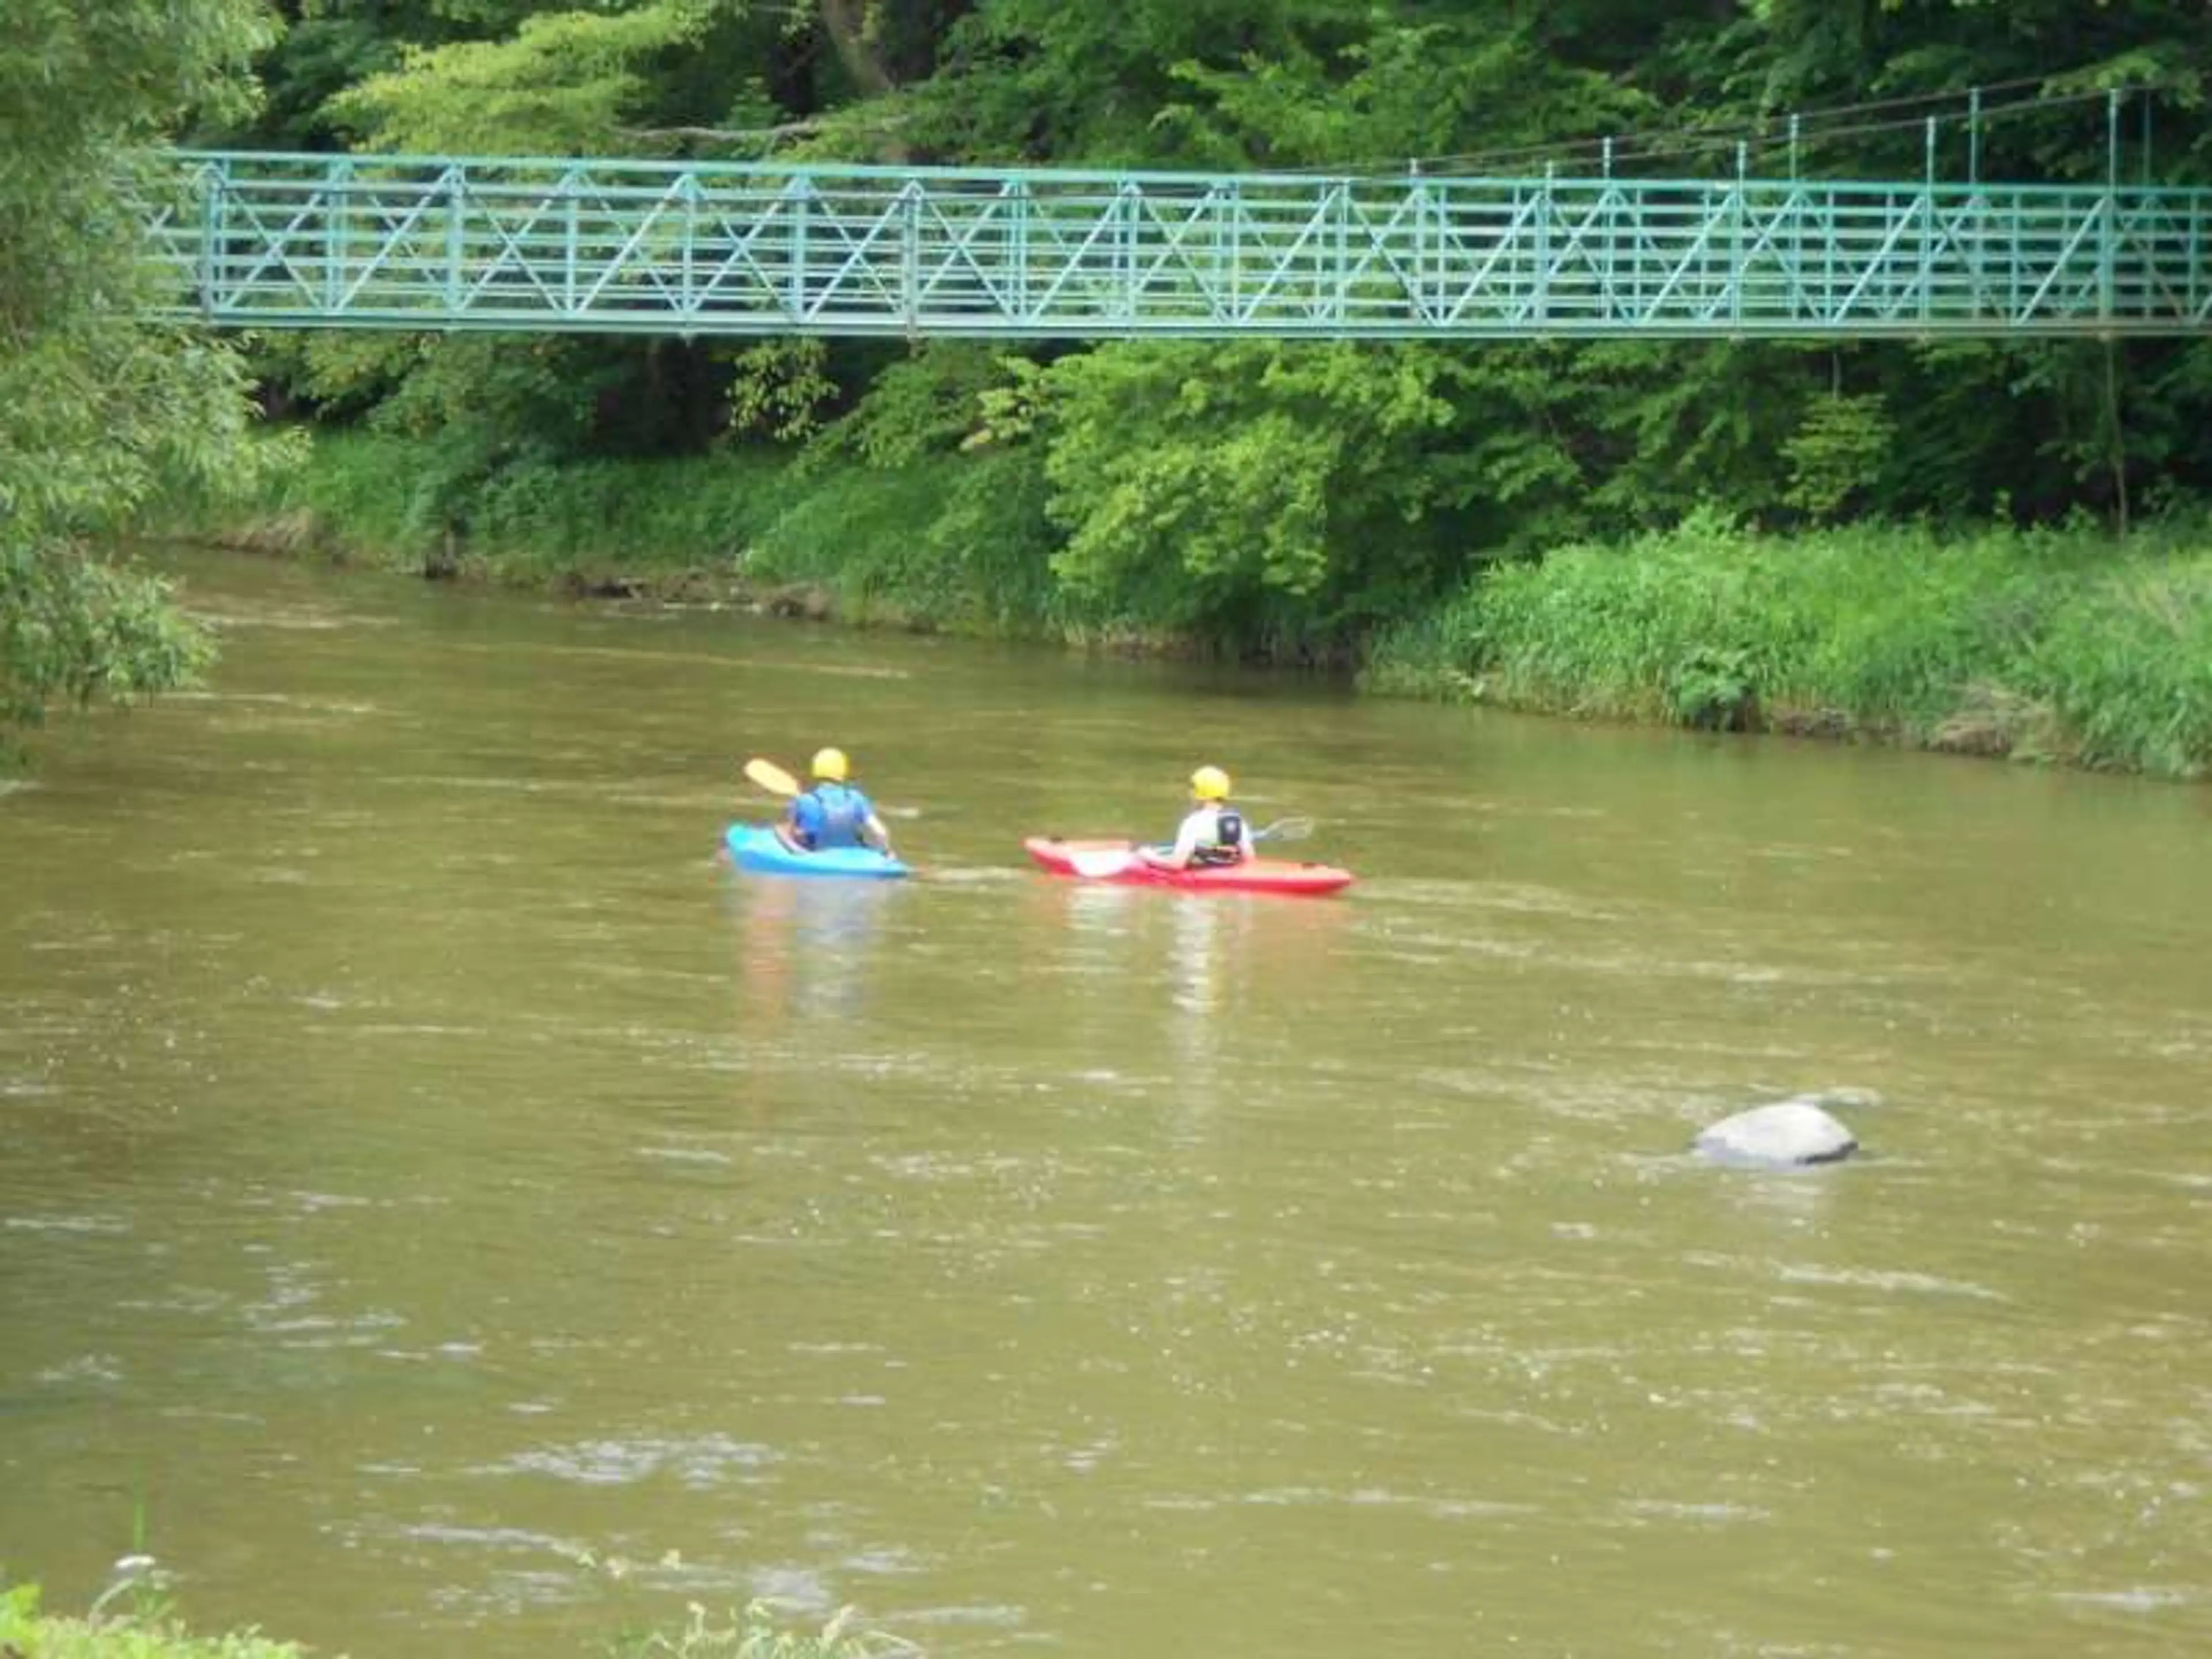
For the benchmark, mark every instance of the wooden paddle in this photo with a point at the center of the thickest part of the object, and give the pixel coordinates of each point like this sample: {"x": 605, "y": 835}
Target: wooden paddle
{"x": 772, "y": 778}
{"x": 777, "y": 782}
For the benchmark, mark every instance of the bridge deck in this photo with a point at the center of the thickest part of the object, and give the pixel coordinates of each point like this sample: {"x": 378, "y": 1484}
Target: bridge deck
{"x": 332, "y": 241}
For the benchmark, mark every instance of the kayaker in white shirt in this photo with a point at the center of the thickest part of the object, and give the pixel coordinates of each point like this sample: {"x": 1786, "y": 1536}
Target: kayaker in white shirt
{"x": 1212, "y": 833}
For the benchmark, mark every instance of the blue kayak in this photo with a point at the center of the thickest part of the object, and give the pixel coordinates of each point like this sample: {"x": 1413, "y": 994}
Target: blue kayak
{"x": 755, "y": 847}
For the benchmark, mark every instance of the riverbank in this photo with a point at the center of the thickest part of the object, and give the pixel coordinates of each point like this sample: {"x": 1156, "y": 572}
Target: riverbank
{"x": 2060, "y": 646}
{"x": 906, "y": 547}
{"x": 2050, "y": 645}
{"x": 152, "y": 1631}
{"x": 27, "y": 1630}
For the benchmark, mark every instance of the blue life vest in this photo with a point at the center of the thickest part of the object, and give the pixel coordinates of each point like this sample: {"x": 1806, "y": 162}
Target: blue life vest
{"x": 829, "y": 815}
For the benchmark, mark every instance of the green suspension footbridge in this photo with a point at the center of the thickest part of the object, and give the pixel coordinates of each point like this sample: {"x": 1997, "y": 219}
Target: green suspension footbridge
{"x": 270, "y": 240}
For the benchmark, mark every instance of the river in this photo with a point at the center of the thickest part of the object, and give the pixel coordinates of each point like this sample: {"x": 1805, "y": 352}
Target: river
{"x": 445, "y": 1211}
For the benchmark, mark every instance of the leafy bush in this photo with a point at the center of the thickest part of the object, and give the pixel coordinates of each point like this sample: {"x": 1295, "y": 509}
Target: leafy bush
{"x": 26, "y": 1630}
{"x": 2049, "y": 643}
{"x": 1263, "y": 495}
{"x": 954, "y": 541}
{"x": 367, "y": 495}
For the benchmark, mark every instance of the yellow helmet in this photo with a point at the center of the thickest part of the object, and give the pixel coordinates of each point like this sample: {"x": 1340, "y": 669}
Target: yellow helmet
{"x": 831, "y": 765}
{"x": 1209, "y": 783}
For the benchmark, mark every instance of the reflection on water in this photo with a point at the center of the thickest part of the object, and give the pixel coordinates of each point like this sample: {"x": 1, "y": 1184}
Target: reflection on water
{"x": 426, "y": 1177}
{"x": 805, "y": 946}
{"x": 1201, "y": 938}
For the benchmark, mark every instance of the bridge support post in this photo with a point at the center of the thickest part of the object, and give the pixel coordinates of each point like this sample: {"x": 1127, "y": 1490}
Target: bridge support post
{"x": 1125, "y": 252}
{"x": 2108, "y": 225}
{"x": 1340, "y": 200}
{"x": 211, "y": 206}
{"x": 1736, "y": 273}
{"x": 1424, "y": 212}
{"x": 337, "y": 193}
{"x": 569, "y": 237}
{"x": 910, "y": 258}
{"x": 1928, "y": 224}
{"x": 2196, "y": 298}
{"x": 796, "y": 195}
{"x": 687, "y": 282}
{"x": 1541, "y": 283}
{"x": 1234, "y": 209}
{"x": 456, "y": 205}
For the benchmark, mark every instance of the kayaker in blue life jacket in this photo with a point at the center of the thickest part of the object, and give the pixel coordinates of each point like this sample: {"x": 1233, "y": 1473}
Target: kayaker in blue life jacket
{"x": 833, "y": 813}
{"x": 1213, "y": 832}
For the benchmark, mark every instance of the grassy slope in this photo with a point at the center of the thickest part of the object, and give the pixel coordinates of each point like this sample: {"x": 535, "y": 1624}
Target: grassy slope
{"x": 2057, "y": 645}
{"x": 24, "y": 1630}
{"x": 924, "y": 544}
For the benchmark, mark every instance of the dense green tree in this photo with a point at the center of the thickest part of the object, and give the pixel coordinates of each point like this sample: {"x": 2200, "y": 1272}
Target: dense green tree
{"x": 563, "y": 82}
{"x": 1269, "y": 495}
{"x": 100, "y": 412}
{"x": 519, "y": 77}
{"x": 1264, "y": 492}
{"x": 328, "y": 46}
{"x": 529, "y": 77}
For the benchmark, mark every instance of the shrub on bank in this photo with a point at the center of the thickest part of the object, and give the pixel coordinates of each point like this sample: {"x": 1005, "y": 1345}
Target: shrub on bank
{"x": 757, "y": 1633}
{"x": 375, "y": 497}
{"x": 954, "y": 543}
{"x": 960, "y": 544}
{"x": 26, "y": 1630}
{"x": 2051, "y": 644}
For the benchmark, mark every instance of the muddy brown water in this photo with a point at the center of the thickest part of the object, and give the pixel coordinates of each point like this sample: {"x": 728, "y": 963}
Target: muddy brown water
{"x": 444, "y": 1210}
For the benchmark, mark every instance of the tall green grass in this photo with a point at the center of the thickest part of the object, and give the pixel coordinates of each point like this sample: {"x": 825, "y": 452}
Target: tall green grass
{"x": 25, "y": 1629}
{"x": 2128, "y": 667}
{"x": 2055, "y": 644}
{"x": 756, "y": 1633}
{"x": 594, "y": 519}
{"x": 959, "y": 543}
{"x": 374, "y": 496}
{"x": 954, "y": 543}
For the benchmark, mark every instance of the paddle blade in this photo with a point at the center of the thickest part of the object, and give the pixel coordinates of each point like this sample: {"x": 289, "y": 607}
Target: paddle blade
{"x": 1097, "y": 863}
{"x": 771, "y": 777}
{"x": 1285, "y": 830}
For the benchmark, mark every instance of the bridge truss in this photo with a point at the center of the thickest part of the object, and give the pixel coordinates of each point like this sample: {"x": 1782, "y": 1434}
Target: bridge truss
{"x": 267, "y": 240}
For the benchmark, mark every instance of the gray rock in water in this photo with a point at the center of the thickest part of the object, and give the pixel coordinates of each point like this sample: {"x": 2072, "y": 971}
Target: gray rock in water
{"x": 1785, "y": 1135}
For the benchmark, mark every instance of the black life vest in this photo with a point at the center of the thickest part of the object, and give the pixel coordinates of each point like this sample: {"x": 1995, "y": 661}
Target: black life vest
{"x": 1229, "y": 837}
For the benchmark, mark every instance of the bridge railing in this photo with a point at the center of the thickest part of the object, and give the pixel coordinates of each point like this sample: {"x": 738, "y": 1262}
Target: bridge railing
{"x": 321, "y": 241}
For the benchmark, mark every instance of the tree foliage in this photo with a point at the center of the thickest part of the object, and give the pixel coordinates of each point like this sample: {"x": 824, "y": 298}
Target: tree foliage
{"x": 1271, "y": 493}
{"x": 99, "y": 413}
{"x": 1250, "y": 492}
{"x": 564, "y": 82}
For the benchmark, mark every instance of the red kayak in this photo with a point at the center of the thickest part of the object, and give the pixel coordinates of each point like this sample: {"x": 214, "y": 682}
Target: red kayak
{"x": 1117, "y": 861}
